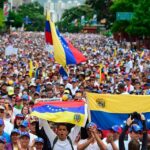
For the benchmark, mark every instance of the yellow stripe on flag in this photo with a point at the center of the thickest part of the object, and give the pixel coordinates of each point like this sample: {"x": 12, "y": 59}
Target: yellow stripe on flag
{"x": 59, "y": 117}
{"x": 31, "y": 68}
{"x": 118, "y": 103}
{"x": 100, "y": 73}
{"x": 59, "y": 53}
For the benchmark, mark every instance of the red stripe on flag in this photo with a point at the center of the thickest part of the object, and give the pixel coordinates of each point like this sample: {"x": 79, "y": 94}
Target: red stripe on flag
{"x": 48, "y": 38}
{"x": 79, "y": 57}
{"x": 61, "y": 104}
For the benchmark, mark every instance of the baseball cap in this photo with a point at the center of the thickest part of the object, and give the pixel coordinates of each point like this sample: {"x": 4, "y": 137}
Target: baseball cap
{"x": 1, "y": 122}
{"x": 49, "y": 83}
{"x": 39, "y": 140}
{"x": 36, "y": 93}
{"x": 25, "y": 97}
{"x": 24, "y": 123}
{"x": 15, "y": 131}
{"x": 65, "y": 78}
{"x": 18, "y": 99}
{"x": 116, "y": 128}
{"x": 91, "y": 124}
{"x": 2, "y": 139}
{"x": 135, "y": 128}
{"x": 20, "y": 116}
{"x": 32, "y": 84}
{"x": 99, "y": 129}
{"x": 10, "y": 90}
{"x": 24, "y": 134}
{"x": 74, "y": 80}
{"x": 127, "y": 79}
{"x": 2, "y": 107}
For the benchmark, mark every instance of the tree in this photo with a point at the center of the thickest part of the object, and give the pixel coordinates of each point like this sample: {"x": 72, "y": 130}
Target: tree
{"x": 70, "y": 20}
{"x": 16, "y": 18}
{"x": 121, "y": 6}
{"x": 101, "y": 8}
{"x": 34, "y": 11}
{"x": 139, "y": 25}
{"x": 1, "y": 19}
{"x": 2, "y": 3}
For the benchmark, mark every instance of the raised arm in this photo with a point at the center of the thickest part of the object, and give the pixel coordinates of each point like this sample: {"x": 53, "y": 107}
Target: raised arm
{"x": 49, "y": 132}
{"x": 100, "y": 143}
{"x": 122, "y": 135}
{"x": 82, "y": 146}
{"x": 74, "y": 132}
{"x": 144, "y": 140}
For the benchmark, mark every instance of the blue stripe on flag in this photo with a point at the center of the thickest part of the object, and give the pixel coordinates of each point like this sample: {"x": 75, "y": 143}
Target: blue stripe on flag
{"x": 54, "y": 109}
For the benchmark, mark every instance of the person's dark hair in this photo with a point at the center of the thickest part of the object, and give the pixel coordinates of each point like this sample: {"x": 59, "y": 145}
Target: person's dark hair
{"x": 31, "y": 103}
{"x": 69, "y": 91}
{"x": 134, "y": 144}
{"x": 63, "y": 124}
{"x": 62, "y": 85}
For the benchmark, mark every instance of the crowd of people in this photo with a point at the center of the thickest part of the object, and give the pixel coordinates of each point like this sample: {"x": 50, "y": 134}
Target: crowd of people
{"x": 111, "y": 68}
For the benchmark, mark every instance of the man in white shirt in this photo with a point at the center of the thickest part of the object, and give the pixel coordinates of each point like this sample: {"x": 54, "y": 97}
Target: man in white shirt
{"x": 8, "y": 126}
{"x": 63, "y": 140}
{"x": 73, "y": 86}
{"x": 128, "y": 65}
{"x": 129, "y": 87}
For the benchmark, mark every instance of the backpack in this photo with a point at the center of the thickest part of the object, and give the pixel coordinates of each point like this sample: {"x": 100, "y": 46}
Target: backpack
{"x": 56, "y": 139}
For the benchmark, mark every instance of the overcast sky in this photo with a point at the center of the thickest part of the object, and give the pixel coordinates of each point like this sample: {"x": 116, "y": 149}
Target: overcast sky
{"x": 43, "y": 1}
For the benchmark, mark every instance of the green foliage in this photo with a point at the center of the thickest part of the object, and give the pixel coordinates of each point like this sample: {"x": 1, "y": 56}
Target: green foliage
{"x": 15, "y": 19}
{"x": 2, "y": 3}
{"x": 101, "y": 8}
{"x": 140, "y": 23}
{"x": 1, "y": 19}
{"x": 35, "y": 13}
{"x": 67, "y": 23}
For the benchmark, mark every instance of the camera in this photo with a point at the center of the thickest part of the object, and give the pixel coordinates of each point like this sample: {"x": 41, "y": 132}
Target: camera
{"x": 135, "y": 115}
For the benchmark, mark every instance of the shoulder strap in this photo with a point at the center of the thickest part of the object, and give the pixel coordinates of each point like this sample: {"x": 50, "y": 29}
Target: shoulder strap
{"x": 56, "y": 139}
{"x": 68, "y": 138}
{"x": 54, "y": 142}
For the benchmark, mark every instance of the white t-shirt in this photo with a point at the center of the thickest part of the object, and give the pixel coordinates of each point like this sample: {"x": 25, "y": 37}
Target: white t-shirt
{"x": 91, "y": 146}
{"x": 8, "y": 126}
{"x": 32, "y": 137}
{"x": 130, "y": 88}
{"x": 60, "y": 145}
{"x": 128, "y": 65}
{"x": 108, "y": 145}
{"x": 73, "y": 90}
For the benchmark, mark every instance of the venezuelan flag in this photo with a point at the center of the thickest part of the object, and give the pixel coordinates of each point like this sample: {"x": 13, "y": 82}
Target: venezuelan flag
{"x": 108, "y": 110}
{"x": 57, "y": 111}
{"x": 48, "y": 35}
{"x": 64, "y": 52}
{"x": 31, "y": 68}
{"x": 142, "y": 54}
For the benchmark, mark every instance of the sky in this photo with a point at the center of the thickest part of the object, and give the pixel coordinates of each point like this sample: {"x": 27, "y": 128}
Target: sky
{"x": 43, "y": 1}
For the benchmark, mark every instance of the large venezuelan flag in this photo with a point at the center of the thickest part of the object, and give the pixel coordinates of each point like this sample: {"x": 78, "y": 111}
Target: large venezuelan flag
{"x": 109, "y": 110}
{"x": 64, "y": 52}
{"x": 56, "y": 111}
